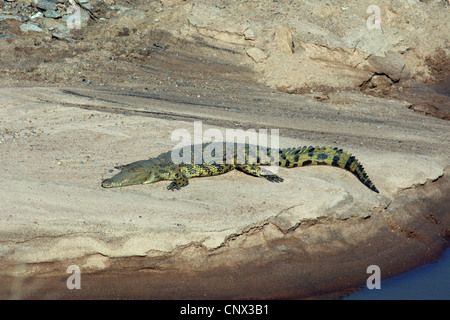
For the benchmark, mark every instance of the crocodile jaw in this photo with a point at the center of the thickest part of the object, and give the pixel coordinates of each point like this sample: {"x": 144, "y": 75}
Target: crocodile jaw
{"x": 129, "y": 178}
{"x": 108, "y": 183}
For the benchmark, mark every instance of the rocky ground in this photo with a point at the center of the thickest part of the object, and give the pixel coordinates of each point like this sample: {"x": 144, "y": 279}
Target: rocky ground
{"x": 90, "y": 84}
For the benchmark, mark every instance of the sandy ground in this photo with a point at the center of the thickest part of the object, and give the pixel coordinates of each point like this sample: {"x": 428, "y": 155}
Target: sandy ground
{"x": 55, "y": 154}
{"x": 230, "y": 236}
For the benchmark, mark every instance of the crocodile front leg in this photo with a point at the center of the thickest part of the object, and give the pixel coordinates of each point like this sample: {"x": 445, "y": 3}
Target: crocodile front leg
{"x": 178, "y": 182}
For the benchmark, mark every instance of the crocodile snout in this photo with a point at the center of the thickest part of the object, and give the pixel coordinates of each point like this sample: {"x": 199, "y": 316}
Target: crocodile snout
{"x": 107, "y": 183}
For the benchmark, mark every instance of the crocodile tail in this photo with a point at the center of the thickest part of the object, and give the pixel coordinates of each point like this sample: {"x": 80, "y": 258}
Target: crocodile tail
{"x": 331, "y": 156}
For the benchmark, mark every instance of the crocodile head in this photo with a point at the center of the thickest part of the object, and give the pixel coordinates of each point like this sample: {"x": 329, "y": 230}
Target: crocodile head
{"x": 132, "y": 175}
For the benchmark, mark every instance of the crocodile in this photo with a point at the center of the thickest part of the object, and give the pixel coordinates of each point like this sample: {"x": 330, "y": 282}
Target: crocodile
{"x": 222, "y": 158}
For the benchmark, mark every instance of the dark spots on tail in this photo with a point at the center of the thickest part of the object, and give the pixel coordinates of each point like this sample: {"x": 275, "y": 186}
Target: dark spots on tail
{"x": 321, "y": 163}
{"x": 306, "y": 163}
{"x": 364, "y": 178}
{"x": 322, "y": 156}
{"x": 356, "y": 174}
{"x": 335, "y": 161}
{"x": 335, "y": 164}
{"x": 371, "y": 186}
{"x": 349, "y": 162}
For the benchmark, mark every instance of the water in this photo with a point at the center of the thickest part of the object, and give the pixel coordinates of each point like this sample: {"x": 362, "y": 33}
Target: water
{"x": 428, "y": 282}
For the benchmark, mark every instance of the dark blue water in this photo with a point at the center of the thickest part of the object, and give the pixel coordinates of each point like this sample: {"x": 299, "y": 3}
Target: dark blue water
{"x": 430, "y": 281}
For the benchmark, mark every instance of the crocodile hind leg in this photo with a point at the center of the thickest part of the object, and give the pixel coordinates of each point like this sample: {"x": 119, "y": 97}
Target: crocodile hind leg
{"x": 258, "y": 172}
{"x": 178, "y": 182}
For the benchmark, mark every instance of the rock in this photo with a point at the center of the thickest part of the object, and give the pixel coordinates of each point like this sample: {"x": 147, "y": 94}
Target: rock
{"x": 392, "y": 65}
{"x": 29, "y": 26}
{"x": 37, "y": 15}
{"x": 249, "y": 34}
{"x": 88, "y": 6}
{"x": 58, "y": 28}
{"x": 73, "y": 18}
{"x": 45, "y": 4}
{"x": 256, "y": 54}
{"x": 62, "y": 36}
{"x": 9, "y": 16}
{"x": 379, "y": 81}
{"x": 52, "y": 14}
{"x": 283, "y": 39}
{"x": 218, "y": 25}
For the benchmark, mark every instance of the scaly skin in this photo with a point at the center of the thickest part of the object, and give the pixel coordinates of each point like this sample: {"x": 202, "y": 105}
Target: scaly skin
{"x": 245, "y": 158}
